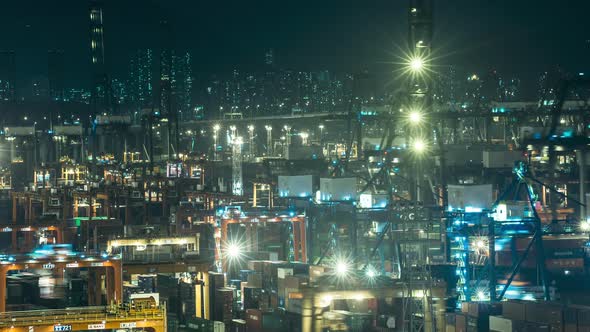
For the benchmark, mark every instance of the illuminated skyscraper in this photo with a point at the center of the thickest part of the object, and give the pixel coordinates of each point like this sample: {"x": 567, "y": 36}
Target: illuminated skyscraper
{"x": 165, "y": 69}
{"x": 269, "y": 57}
{"x": 182, "y": 82}
{"x": 7, "y": 76}
{"x": 140, "y": 79}
{"x": 55, "y": 71}
{"x": 100, "y": 84}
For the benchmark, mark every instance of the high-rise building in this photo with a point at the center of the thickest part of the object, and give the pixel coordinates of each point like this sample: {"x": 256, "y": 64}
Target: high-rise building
{"x": 140, "y": 79}
{"x": 96, "y": 34}
{"x": 100, "y": 93}
{"x": 182, "y": 82}
{"x": 120, "y": 91}
{"x": 510, "y": 89}
{"x": 421, "y": 28}
{"x": 40, "y": 88}
{"x": 269, "y": 57}
{"x": 165, "y": 69}
{"x": 55, "y": 73}
{"x": 7, "y": 76}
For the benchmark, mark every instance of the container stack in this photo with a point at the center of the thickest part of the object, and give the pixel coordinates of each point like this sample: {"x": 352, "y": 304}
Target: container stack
{"x": 146, "y": 283}
{"x": 216, "y": 280}
{"x": 168, "y": 288}
{"x": 540, "y": 316}
{"x": 224, "y": 305}
{"x": 188, "y": 304}
{"x": 77, "y": 293}
{"x": 474, "y": 317}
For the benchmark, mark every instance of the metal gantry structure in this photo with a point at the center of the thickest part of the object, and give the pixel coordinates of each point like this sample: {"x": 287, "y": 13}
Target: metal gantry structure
{"x": 237, "y": 178}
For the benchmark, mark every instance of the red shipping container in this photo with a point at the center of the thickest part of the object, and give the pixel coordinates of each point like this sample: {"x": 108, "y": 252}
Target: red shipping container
{"x": 460, "y": 322}
{"x": 254, "y": 320}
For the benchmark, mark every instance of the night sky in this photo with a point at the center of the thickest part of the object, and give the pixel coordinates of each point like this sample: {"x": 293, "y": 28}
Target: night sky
{"x": 519, "y": 38}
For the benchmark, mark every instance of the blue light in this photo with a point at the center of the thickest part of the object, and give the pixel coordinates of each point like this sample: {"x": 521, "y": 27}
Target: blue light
{"x": 471, "y": 209}
{"x": 291, "y": 214}
{"x": 568, "y": 134}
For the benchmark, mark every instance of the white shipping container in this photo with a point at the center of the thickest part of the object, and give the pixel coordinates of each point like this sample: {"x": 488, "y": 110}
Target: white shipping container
{"x": 295, "y": 186}
{"x": 461, "y": 156}
{"x": 511, "y": 211}
{"x": 501, "y": 159}
{"x": 19, "y": 131}
{"x": 113, "y": 119}
{"x": 338, "y": 189}
{"x": 67, "y": 130}
{"x": 500, "y": 324}
{"x": 218, "y": 326}
{"x": 470, "y": 197}
{"x": 283, "y": 272}
{"x": 368, "y": 201}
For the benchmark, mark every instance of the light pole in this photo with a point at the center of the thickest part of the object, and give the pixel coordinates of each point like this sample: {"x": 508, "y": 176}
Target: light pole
{"x": 268, "y": 140}
{"x": 419, "y": 147}
{"x": 215, "y": 135}
{"x": 251, "y": 141}
{"x": 287, "y": 140}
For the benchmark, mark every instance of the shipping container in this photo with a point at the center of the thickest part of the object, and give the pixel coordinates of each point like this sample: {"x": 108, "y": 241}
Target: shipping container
{"x": 514, "y": 309}
{"x": 255, "y": 280}
{"x": 503, "y": 324}
{"x": 484, "y": 309}
{"x": 219, "y": 326}
{"x": 224, "y": 305}
{"x": 315, "y": 272}
{"x": 253, "y": 320}
{"x": 544, "y": 313}
{"x": 477, "y": 324}
{"x": 570, "y": 320}
{"x": 460, "y": 322}
{"x": 238, "y": 325}
{"x": 256, "y": 265}
{"x": 272, "y": 321}
{"x": 147, "y": 283}
{"x": 501, "y": 159}
{"x": 470, "y": 197}
{"x": 338, "y": 189}
{"x": 251, "y": 297}
{"x": 282, "y": 272}
{"x": 583, "y": 317}
{"x": 450, "y": 318}
{"x": 538, "y": 327}
{"x": 295, "y": 186}
{"x": 245, "y": 273}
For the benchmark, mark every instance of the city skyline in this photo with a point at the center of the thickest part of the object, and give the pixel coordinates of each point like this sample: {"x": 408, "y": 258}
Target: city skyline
{"x": 309, "y": 37}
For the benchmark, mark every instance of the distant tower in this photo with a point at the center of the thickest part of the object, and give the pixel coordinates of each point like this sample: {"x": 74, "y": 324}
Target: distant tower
{"x": 140, "y": 79}
{"x": 100, "y": 93}
{"x": 167, "y": 108}
{"x": 7, "y": 76}
{"x": 421, "y": 27}
{"x": 183, "y": 83}
{"x": 269, "y": 57}
{"x": 55, "y": 73}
